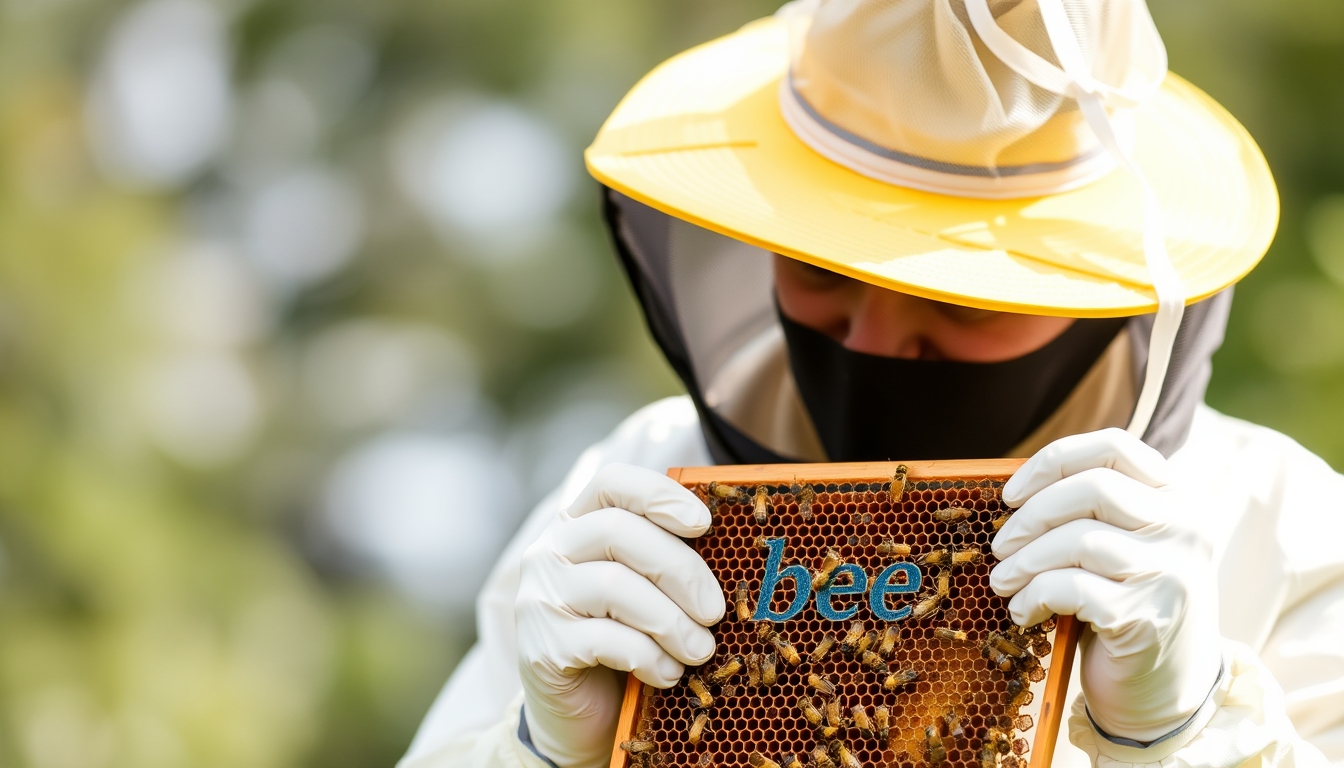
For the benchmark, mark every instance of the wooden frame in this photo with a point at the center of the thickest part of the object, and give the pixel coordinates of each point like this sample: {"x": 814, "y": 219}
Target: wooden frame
{"x": 1067, "y": 628}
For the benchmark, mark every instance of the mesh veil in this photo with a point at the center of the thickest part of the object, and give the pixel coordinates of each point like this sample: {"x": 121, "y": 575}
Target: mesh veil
{"x": 708, "y": 301}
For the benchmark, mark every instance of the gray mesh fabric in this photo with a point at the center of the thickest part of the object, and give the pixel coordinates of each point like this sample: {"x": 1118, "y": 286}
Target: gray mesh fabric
{"x": 707, "y": 298}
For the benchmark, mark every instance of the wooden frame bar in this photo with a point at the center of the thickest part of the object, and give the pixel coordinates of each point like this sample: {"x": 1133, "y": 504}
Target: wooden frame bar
{"x": 1067, "y": 628}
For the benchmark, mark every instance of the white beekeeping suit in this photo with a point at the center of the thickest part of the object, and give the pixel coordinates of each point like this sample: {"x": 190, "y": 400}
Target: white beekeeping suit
{"x": 1281, "y": 599}
{"x": 1031, "y": 157}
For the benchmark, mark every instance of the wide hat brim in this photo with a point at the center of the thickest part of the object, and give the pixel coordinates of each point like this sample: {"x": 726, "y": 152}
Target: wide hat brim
{"x": 702, "y": 138}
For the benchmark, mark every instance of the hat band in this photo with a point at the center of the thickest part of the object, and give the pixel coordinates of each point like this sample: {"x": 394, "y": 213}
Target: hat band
{"x": 902, "y": 169}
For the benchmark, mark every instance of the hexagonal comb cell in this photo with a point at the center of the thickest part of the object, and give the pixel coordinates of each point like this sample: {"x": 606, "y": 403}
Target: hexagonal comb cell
{"x": 914, "y": 665}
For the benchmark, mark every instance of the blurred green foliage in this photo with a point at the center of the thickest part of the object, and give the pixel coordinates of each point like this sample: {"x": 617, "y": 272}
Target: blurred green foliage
{"x": 1277, "y": 67}
{"x": 159, "y": 611}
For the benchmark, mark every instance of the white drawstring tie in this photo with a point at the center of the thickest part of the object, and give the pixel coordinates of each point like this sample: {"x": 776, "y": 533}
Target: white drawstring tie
{"x": 1093, "y": 96}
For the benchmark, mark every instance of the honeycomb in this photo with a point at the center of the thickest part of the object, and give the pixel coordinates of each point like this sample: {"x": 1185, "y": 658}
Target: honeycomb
{"x": 954, "y": 675}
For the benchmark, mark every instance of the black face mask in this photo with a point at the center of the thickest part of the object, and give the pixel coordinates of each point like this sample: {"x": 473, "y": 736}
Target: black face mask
{"x": 871, "y": 408}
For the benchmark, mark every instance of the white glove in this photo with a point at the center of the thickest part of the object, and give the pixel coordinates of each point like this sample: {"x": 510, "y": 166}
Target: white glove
{"x": 1102, "y": 534}
{"x": 609, "y": 587}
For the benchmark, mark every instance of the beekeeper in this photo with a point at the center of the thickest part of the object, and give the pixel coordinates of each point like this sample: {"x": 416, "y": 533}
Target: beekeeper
{"x": 926, "y": 229}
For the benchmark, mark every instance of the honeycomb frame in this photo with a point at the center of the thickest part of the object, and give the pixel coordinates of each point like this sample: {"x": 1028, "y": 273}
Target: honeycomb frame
{"x": 853, "y": 513}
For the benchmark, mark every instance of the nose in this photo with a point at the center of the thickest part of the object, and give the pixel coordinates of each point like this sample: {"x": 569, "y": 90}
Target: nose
{"x": 889, "y": 324}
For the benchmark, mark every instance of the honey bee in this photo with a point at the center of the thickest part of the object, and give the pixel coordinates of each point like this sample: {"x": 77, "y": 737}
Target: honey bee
{"x": 821, "y": 758}
{"x": 697, "y": 728}
{"x": 826, "y": 687}
{"x": 936, "y": 557}
{"x": 998, "y": 522}
{"x": 823, "y": 648}
{"x": 826, "y": 572}
{"x": 761, "y": 506}
{"x": 811, "y": 714}
{"x": 726, "y": 670}
{"x": 934, "y": 745}
{"x": 954, "y": 728}
{"x": 1007, "y": 647}
{"x": 951, "y": 514}
{"x": 998, "y": 741}
{"x": 1019, "y": 693}
{"x": 862, "y": 722}
{"x": 785, "y": 648}
{"x": 890, "y": 637}
{"x": 950, "y": 556}
{"x": 897, "y": 492}
{"x": 790, "y": 761}
{"x": 966, "y": 556}
{"x": 874, "y": 662}
{"x": 846, "y": 758}
{"x": 1004, "y": 663}
{"x": 882, "y": 722}
{"x": 724, "y": 492}
{"x": 697, "y": 686}
{"x": 930, "y": 604}
{"x": 753, "y": 669}
{"x": 758, "y": 760}
{"x": 741, "y": 596}
{"x": 833, "y": 717}
{"x": 869, "y": 640}
{"x": 890, "y": 548}
{"x": 852, "y": 638}
{"x": 638, "y": 747}
{"x": 805, "y": 496}
{"x": 947, "y": 633}
{"x": 899, "y": 678}
{"x": 769, "y": 669}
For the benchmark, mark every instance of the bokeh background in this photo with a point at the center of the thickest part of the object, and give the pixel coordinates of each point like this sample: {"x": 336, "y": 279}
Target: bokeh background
{"x": 303, "y": 304}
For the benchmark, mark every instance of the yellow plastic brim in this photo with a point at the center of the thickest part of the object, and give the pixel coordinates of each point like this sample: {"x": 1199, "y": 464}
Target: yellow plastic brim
{"x": 701, "y": 138}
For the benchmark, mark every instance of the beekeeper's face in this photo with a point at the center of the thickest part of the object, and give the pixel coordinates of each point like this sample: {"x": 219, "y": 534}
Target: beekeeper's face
{"x": 877, "y": 321}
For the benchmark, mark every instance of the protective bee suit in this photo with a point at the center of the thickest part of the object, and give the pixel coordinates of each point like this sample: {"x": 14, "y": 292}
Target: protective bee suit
{"x": 1278, "y": 508}
{"x": 1206, "y": 559}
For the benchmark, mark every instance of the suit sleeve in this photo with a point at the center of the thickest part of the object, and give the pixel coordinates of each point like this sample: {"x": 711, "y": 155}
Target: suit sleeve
{"x": 497, "y": 746}
{"x": 1280, "y": 701}
{"x": 477, "y": 711}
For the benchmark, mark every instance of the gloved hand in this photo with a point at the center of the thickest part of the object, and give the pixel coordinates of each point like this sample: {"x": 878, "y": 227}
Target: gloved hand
{"x": 609, "y": 588}
{"x": 1102, "y": 533}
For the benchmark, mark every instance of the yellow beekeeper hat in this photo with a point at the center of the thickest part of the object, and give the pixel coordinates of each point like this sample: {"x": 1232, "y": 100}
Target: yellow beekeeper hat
{"x": 945, "y": 148}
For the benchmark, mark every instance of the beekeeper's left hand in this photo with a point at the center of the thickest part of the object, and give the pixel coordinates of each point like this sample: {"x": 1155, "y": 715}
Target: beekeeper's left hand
{"x": 1102, "y": 532}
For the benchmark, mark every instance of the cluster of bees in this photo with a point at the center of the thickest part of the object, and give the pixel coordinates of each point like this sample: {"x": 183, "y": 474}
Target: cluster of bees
{"x": 719, "y": 494}
{"x": 830, "y": 721}
{"x": 1016, "y": 652}
{"x": 722, "y": 493}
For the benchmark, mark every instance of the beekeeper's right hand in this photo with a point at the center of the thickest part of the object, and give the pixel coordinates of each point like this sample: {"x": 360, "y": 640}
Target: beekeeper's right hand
{"x": 609, "y": 588}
